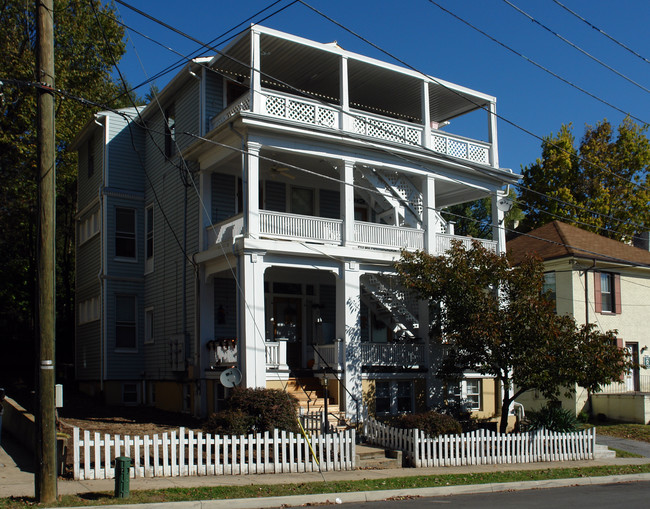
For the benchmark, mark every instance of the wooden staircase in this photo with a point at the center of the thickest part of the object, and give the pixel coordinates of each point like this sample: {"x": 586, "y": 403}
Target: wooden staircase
{"x": 311, "y": 396}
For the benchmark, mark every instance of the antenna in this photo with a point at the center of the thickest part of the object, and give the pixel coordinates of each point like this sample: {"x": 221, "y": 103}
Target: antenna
{"x": 230, "y": 377}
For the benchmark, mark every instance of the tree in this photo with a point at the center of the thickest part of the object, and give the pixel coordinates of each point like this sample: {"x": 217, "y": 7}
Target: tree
{"x": 607, "y": 178}
{"x": 498, "y": 322}
{"x": 474, "y": 219}
{"x": 83, "y": 64}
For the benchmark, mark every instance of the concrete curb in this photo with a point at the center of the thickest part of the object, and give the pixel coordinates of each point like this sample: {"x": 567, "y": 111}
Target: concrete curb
{"x": 376, "y": 496}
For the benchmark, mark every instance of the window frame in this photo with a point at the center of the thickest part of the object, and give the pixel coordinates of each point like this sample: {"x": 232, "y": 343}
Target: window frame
{"x": 614, "y": 294}
{"x": 149, "y": 248}
{"x": 393, "y": 396}
{"x": 124, "y": 235}
{"x": 126, "y": 324}
{"x": 148, "y": 325}
{"x": 459, "y": 392}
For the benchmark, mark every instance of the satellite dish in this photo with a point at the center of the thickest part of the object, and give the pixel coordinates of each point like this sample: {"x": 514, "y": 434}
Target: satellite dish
{"x": 230, "y": 377}
{"x": 504, "y": 204}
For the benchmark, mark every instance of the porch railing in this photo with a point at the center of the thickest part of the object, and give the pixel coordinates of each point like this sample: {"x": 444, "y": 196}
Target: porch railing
{"x": 627, "y": 386}
{"x": 276, "y": 355}
{"x": 293, "y": 226}
{"x": 392, "y": 354}
{"x": 443, "y": 242}
{"x": 331, "y": 356}
{"x": 314, "y": 113}
{"x": 382, "y": 236}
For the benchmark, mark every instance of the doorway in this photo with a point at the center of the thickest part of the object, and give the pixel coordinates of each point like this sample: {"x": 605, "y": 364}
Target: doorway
{"x": 632, "y": 381}
{"x": 287, "y": 326}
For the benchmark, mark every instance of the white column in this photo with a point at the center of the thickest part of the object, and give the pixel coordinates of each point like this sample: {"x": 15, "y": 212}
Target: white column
{"x": 426, "y": 115}
{"x": 429, "y": 213}
{"x": 251, "y": 344}
{"x": 498, "y": 228}
{"x": 492, "y": 133}
{"x": 348, "y": 327}
{"x": 347, "y": 202}
{"x": 256, "y": 84}
{"x": 251, "y": 189}
{"x": 345, "y": 120}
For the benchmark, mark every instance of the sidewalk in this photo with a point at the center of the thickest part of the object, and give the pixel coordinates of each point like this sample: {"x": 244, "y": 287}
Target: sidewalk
{"x": 17, "y": 475}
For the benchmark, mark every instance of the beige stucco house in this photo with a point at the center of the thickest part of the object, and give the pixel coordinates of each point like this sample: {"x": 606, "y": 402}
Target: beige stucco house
{"x": 605, "y": 282}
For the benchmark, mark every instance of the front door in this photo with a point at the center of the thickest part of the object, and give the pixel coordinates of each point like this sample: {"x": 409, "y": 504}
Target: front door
{"x": 632, "y": 376}
{"x": 287, "y": 325}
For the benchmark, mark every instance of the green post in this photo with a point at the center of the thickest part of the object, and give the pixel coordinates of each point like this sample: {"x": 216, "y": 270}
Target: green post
{"x": 122, "y": 470}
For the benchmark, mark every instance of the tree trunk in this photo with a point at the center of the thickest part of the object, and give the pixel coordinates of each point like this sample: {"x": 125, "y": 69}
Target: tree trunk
{"x": 505, "y": 405}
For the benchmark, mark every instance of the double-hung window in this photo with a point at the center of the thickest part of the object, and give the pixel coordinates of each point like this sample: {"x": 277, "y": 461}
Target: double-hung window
{"x": 125, "y": 322}
{"x": 607, "y": 292}
{"x": 393, "y": 397}
{"x": 125, "y": 233}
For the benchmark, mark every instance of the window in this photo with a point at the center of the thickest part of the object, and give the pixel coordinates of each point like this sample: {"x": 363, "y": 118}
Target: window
{"x": 466, "y": 392}
{"x": 148, "y": 325}
{"x": 148, "y": 242}
{"x": 302, "y": 201}
{"x": 170, "y": 132}
{"x": 130, "y": 394}
{"x": 393, "y": 397}
{"x": 89, "y": 227}
{"x": 90, "y": 154}
{"x": 89, "y": 310}
{"x": 125, "y": 233}
{"x": 607, "y": 292}
{"x": 549, "y": 288}
{"x": 125, "y": 322}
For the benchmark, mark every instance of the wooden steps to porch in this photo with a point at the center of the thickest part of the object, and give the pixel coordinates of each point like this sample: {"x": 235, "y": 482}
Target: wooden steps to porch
{"x": 311, "y": 397}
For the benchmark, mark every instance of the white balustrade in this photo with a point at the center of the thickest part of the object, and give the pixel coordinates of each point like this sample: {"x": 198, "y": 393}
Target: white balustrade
{"x": 315, "y": 113}
{"x": 386, "y": 236}
{"x": 224, "y": 231}
{"x": 392, "y": 354}
{"x": 293, "y": 226}
{"x": 331, "y": 356}
{"x": 443, "y": 242}
{"x": 276, "y": 355}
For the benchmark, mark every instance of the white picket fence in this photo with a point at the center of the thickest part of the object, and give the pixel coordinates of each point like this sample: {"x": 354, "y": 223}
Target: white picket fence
{"x": 185, "y": 453}
{"x": 483, "y": 447}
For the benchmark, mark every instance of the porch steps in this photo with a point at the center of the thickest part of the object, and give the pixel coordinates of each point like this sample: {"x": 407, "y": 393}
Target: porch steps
{"x": 602, "y": 452}
{"x": 311, "y": 398}
{"x": 373, "y": 457}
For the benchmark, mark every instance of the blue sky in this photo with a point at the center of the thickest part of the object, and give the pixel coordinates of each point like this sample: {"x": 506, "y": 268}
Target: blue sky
{"x": 436, "y": 43}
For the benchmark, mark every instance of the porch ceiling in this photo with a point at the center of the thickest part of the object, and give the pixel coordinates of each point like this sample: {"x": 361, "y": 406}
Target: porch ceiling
{"x": 289, "y": 64}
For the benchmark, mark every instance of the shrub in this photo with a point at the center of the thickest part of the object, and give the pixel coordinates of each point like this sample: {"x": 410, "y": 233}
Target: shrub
{"x": 552, "y": 418}
{"x": 255, "y": 410}
{"x": 432, "y": 423}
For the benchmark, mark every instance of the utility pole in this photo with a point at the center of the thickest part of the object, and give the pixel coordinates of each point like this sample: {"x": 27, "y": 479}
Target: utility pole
{"x": 45, "y": 479}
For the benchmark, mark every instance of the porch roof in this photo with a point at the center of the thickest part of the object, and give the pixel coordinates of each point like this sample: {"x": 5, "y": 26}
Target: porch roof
{"x": 296, "y": 64}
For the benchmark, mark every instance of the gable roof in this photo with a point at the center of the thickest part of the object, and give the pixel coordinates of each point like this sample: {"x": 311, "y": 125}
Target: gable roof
{"x": 559, "y": 240}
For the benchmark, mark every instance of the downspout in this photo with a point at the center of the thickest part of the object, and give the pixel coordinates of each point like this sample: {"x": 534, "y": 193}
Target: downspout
{"x": 104, "y": 244}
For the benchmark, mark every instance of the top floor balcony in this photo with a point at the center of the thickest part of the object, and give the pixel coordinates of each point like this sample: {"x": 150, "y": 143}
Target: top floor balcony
{"x": 324, "y": 87}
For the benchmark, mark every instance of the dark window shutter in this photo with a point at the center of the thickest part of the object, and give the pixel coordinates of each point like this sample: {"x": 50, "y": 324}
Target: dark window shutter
{"x": 617, "y": 294}
{"x": 598, "y": 301}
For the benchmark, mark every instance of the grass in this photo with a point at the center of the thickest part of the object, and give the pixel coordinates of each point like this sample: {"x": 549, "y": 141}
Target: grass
{"x": 620, "y": 453}
{"x": 632, "y": 431}
{"x": 257, "y": 491}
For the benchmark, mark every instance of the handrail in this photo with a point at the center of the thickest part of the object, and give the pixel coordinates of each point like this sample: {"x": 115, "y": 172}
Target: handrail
{"x": 356, "y": 401}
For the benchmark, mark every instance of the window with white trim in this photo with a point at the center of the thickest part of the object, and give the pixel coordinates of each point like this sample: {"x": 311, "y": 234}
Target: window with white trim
{"x": 125, "y": 246}
{"x": 549, "y": 288}
{"x": 607, "y": 292}
{"x": 393, "y": 396}
{"x": 466, "y": 392}
{"x": 89, "y": 227}
{"x": 148, "y": 325}
{"x": 148, "y": 239}
{"x": 89, "y": 310}
{"x": 125, "y": 322}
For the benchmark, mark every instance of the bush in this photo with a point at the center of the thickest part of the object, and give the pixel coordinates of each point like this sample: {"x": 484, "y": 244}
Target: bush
{"x": 432, "y": 423}
{"x": 552, "y": 418}
{"x": 255, "y": 410}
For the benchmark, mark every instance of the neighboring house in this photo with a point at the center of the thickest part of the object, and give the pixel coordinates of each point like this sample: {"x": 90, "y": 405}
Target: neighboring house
{"x": 605, "y": 282}
{"x": 252, "y": 218}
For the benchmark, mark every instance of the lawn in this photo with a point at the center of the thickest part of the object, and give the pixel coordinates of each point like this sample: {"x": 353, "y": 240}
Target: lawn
{"x": 258, "y": 491}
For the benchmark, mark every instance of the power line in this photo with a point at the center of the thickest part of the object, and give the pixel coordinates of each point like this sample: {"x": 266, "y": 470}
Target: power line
{"x": 615, "y": 41}
{"x": 573, "y": 45}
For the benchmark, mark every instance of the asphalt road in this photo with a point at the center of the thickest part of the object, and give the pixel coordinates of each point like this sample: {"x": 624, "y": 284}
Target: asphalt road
{"x": 605, "y": 496}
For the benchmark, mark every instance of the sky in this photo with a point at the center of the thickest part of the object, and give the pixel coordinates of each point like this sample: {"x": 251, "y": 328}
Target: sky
{"x": 531, "y": 103}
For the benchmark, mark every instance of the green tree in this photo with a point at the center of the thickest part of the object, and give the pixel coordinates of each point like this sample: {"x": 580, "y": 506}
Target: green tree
{"x": 607, "y": 177}
{"x": 474, "y": 219}
{"x": 498, "y": 322}
{"x": 83, "y": 64}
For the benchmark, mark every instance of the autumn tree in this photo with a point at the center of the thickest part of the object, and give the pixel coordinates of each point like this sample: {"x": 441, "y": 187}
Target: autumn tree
{"x": 497, "y": 321}
{"x": 83, "y": 65}
{"x": 605, "y": 182}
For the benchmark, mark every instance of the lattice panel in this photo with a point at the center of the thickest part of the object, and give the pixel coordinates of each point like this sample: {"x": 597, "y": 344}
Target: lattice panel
{"x": 386, "y": 131}
{"x": 457, "y": 149}
{"x": 413, "y": 137}
{"x": 276, "y": 106}
{"x": 478, "y": 154}
{"x": 440, "y": 144}
{"x": 326, "y": 118}
{"x": 302, "y": 112}
{"x": 406, "y": 190}
{"x": 359, "y": 125}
